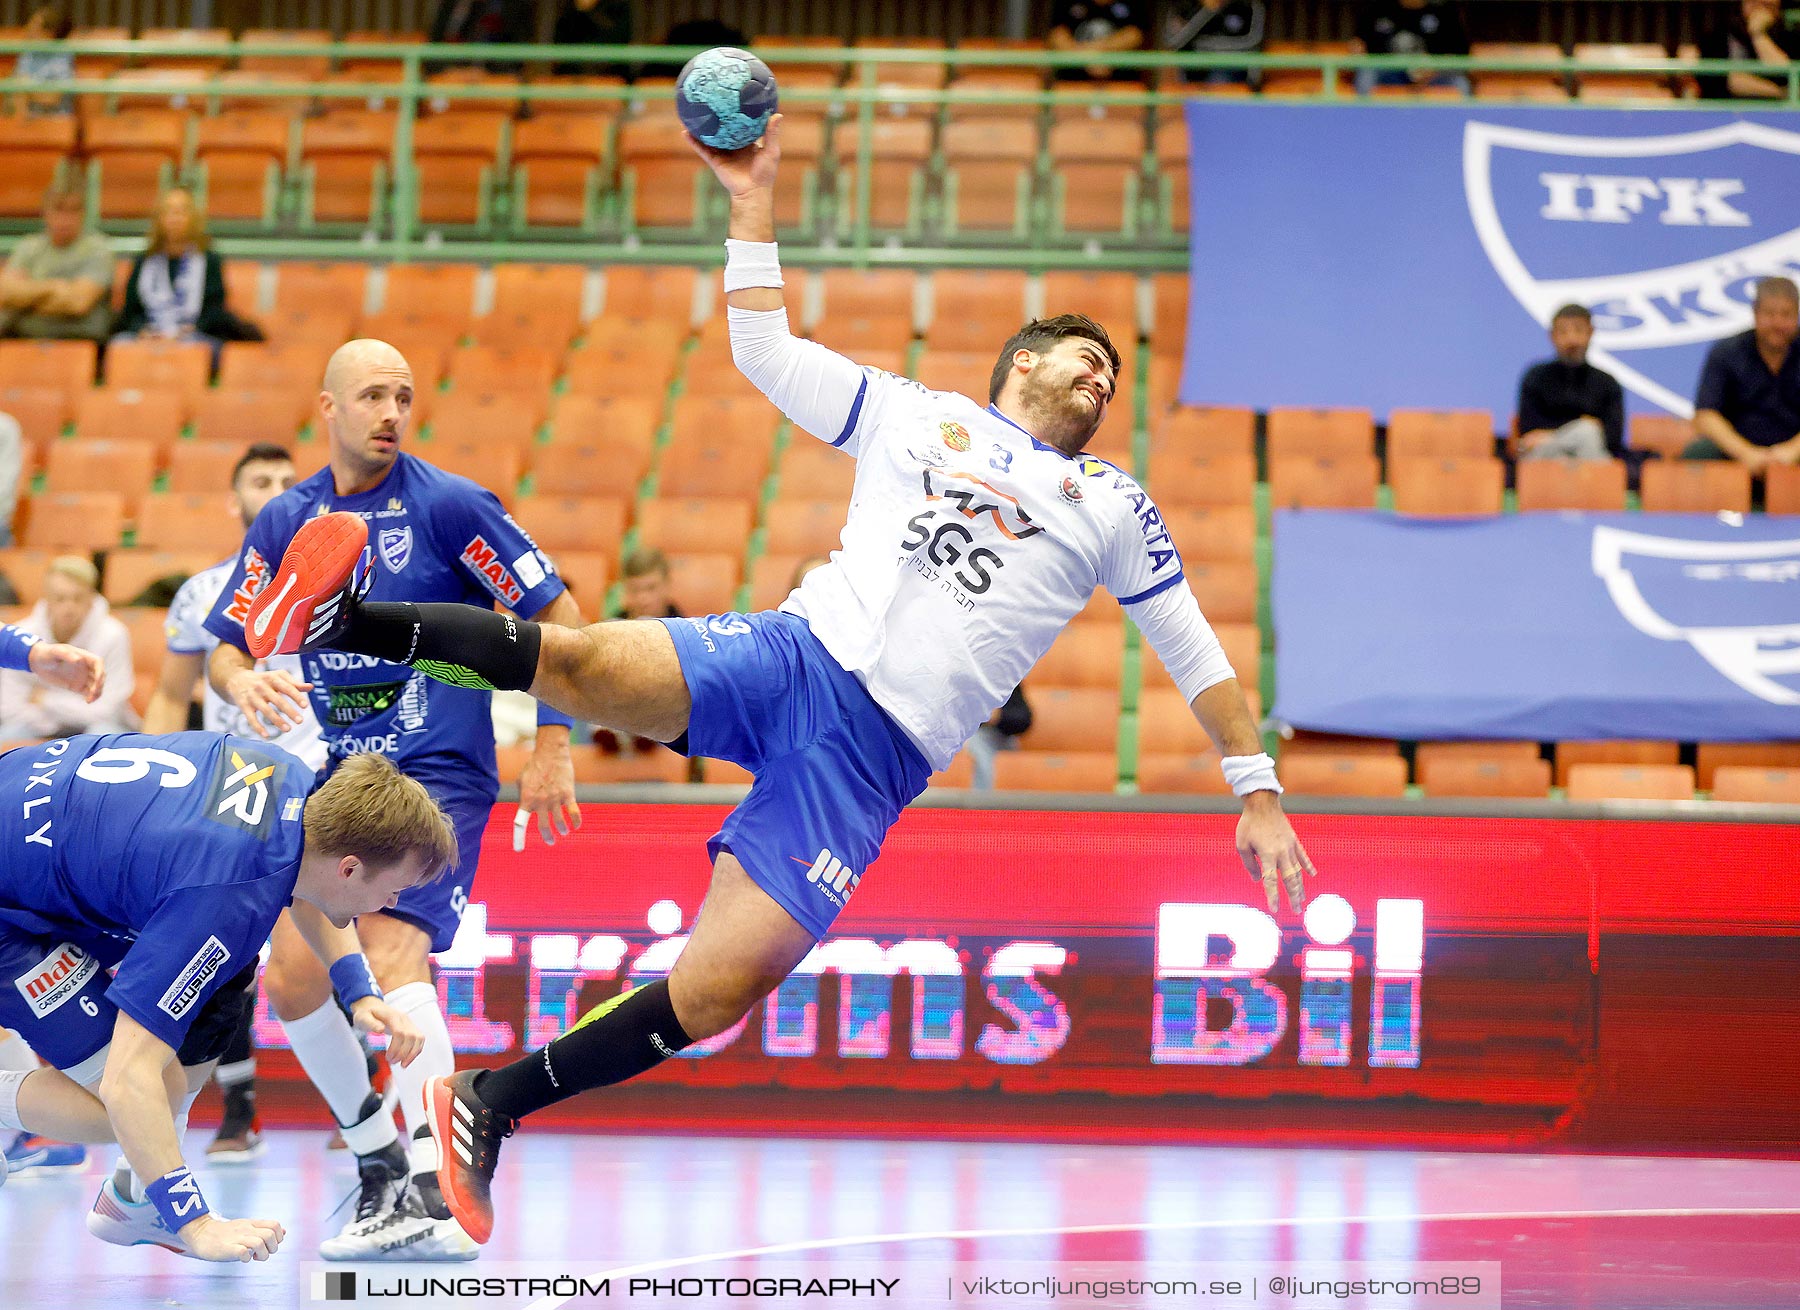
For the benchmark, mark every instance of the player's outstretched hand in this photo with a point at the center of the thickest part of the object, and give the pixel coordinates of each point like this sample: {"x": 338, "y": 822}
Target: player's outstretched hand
{"x": 547, "y": 790}
{"x": 1271, "y": 853}
{"x": 753, "y": 167}
{"x": 211, "y": 1237}
{"x": 376, "y": 1017}
{"x": 69, "y": 667}
{"x": 273, "y": 701}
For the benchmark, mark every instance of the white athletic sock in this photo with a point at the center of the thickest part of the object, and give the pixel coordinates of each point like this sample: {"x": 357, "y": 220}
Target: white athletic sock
{"x": 326, "y": 1047}
{"x": 16, "y": 1055}
{"x": 419, "y": 1002}
{"x": 10, "y": 1081}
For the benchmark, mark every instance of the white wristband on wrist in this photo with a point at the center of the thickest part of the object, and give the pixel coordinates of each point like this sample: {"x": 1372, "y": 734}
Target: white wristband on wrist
{"x": 1248, "y": 773}
{"x": 751, "y": 264}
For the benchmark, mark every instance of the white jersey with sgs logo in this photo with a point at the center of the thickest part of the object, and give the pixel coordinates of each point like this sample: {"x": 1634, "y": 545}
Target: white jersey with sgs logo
{"x": 969, "y": 544}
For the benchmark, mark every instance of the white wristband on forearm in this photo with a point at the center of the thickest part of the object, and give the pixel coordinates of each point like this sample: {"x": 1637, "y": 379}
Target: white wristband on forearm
{"x": 751, "y": 264}
{"x": 1248, "y": 773}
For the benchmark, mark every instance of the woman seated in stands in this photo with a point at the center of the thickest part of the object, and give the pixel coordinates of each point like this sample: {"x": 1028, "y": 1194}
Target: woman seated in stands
{"x": 177, "y": 286}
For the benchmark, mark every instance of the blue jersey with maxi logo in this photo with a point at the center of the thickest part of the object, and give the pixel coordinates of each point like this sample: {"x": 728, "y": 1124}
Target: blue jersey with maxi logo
{"x": 170, "y": 856}
{"x": 436, "y": 537}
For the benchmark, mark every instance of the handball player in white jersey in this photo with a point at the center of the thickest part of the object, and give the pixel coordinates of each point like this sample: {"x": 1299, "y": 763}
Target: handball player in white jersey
{"x": 975, "y": 532}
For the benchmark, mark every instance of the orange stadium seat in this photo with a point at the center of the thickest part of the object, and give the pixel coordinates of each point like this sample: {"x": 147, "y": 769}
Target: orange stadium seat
{"x": 1663, "y": 433}
{"x": 79, "y": 521}
{"x": 1331, "y": 743}
{"x": 269, "y": 368}
{"x": 188, "y": 521}
{"x": 134, "y": 153}
{"x": 121, "y": 414}
{"x": 1431, "y": 753}
{"x": 1170, "y": 146}
{"x": 901, "y": 149}
{"x": 238, "y": 417}
{"x": 989, "y": 166}
{"x": 1177, "y": 478}
{"x": 123, "y": 465}
{"x": 1169, "y": 314}
{"x": 240, "y": 156}
{"x": 1110, "y": 299}
{"x": 630, "y": 421}
{"x": 1448, "y": 487}
{"x": 975, "y": 309}
{"x": 1623, "y": 86}
{"x": 1743, "y": 784}
{"x": 1695, "y": 486}
{"x": 196, "y": 467}
{"x": 812, "y": 470}
{"x": 881, "y": 298}
{"x": 988, "y": 79}
{"x": 37, "y": 149}
{"x": 1524, "y": 779}
{"x": 1631, "y": 782}
{"x": 1591, "y": 484}
{"x": 1715, "y": 755}
{"x": 145, "y": 627}
{"x": 25, "y": 569}
{"x": 549, "y": 296}
{"x": 1571, "y": 754}
{"x": 312, "y": 288}
{"x": 772, "y": 578}
{"x": 484, "y": 462}
{"x": 1083, "y": 655}
{"x": 129, "y": 573}
{"x": 631, "y": 290}
{"x": 711, "y": 525}
{"x": 443, "y": 290}
{"x": 958, "y": 774}
{"x": 1304, "y": 482}
{"x": 1097, "y": 164}
{"x": 1213, "y": 532}
{"x": 728, "y": 465}
{"x": 1320, "y": 433}
{"x": 1781, "y": 488}
{"x": 503, "y": 420}
{"x": 604, "y": 467}
{"x": 1074, "y": 771}
{"x": 345, "y": 159}
{"x": 516, "y": 367}
{"x": 963, "y": 372}
{"x": 1072, "y": 719}
{"x": 1201, "y": 431}
{"x": 66, "y": 365}
{"x": 661, "y": 176}
{"x": 1440, "y": 434}
{"x": 1344, "y": 775}
{"x": 1520, "y": 84}
{"x": 804, "y": 527}
{"x": 1167, "y": 726}
{"x": 705, "y": 583}
{"x": 586, "y": 572}
{"x": 580, "y": 523}
{"x": 1302, "y": 81}
{"x": 41, "y": 412}
{"x": 425, "y": 339}
{"x": 456, "y": 154}
{"x": 148, "y": 364}
{"x": 276, "y": 67}
{"x": 1197, "y": 774}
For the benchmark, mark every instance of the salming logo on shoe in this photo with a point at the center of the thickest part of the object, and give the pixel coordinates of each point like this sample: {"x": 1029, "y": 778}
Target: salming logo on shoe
{"x": 837, "y": 880}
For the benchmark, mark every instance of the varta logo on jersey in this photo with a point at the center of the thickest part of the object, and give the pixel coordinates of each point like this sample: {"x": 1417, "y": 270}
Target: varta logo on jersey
{"x": 485, "y": 561}
{"x": 54, "y": 980}
{"x": 191, "y": 981}
{"x": 974, "y": 498}
{"x": 1663, "y": 237}
{"x": 256, "y": 577}
{"x": 244, "y": 782}
{"x": 833, "y": 877}
{"x": 1156, "y": 536}
{"x": 396, "y": 547}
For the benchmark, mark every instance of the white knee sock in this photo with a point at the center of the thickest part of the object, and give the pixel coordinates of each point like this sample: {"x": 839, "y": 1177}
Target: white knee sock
{"x": 327, "y": 1049}
{"x": 16, "y": 1055}
{"x": 419, "y": 1001}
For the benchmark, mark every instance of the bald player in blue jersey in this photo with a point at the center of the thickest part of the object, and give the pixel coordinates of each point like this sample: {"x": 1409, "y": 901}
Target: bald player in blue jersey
{"x": 434, "y": 537}
{"x": 167, "y": 859}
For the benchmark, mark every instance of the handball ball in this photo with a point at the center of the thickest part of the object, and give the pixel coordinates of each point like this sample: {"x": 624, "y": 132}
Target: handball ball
{"x": 725, "y": 97}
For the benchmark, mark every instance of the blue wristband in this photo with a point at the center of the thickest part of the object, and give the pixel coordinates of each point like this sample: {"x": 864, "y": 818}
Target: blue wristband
{"x": 176, "y": 1196}
{"x": 15, "y": 648}
{"x": 352, "y": 980}
{"x": 553, "y": 717}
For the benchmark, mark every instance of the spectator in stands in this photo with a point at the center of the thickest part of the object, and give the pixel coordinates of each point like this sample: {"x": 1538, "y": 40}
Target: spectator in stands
{"x": 71, "y": 611}
{"x": 1411, "y": 27}
{"x": 1099, "y": 26}
{"x": 645, "y": 575}
{"x": 484, "y": 22}
{"x": 1000, "y": 733}
{"x": 55, "y": 284}
{"x": 1748, "y": 405}
{"x": 1212, "y": 27}
{"x": 593, "y": 22}
{"x": 12, "y": 465}
{"x": 177, "y": 286}
{"x": 46, "y": 23}
{"x": 1568, "y": 409}
{"x": 1753, "y": 32}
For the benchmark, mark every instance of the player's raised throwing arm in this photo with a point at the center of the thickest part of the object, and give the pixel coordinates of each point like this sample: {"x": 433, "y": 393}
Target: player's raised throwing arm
{"x": 815, "y": 387}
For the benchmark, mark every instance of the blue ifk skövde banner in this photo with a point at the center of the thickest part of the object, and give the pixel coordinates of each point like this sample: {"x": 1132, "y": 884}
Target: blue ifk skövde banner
{"x": 1538, "y": 626}
{"x": 1380, "y": 257}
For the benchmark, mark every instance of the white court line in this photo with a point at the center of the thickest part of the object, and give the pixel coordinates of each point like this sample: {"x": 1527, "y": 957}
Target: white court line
{"x": 1174, "y": 1226}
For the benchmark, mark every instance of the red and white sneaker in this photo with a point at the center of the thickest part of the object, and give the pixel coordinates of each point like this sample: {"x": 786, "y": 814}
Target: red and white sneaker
{"x": 468, "y": 1137}
{"x": 305, "y": 598}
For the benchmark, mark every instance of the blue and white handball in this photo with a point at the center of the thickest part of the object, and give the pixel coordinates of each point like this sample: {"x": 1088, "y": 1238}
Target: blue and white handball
{"x": 725, "y": 97}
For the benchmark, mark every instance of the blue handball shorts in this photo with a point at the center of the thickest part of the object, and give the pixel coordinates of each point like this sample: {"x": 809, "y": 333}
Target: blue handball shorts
{"x": 833, "y": 771}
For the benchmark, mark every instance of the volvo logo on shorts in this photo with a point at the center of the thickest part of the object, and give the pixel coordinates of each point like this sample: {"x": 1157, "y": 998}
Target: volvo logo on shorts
{"x": 834, "y": 878}
{"x": 53, "y": 980}
{"x": 396, "y": 547}
{"x": 1662, "y": 237}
